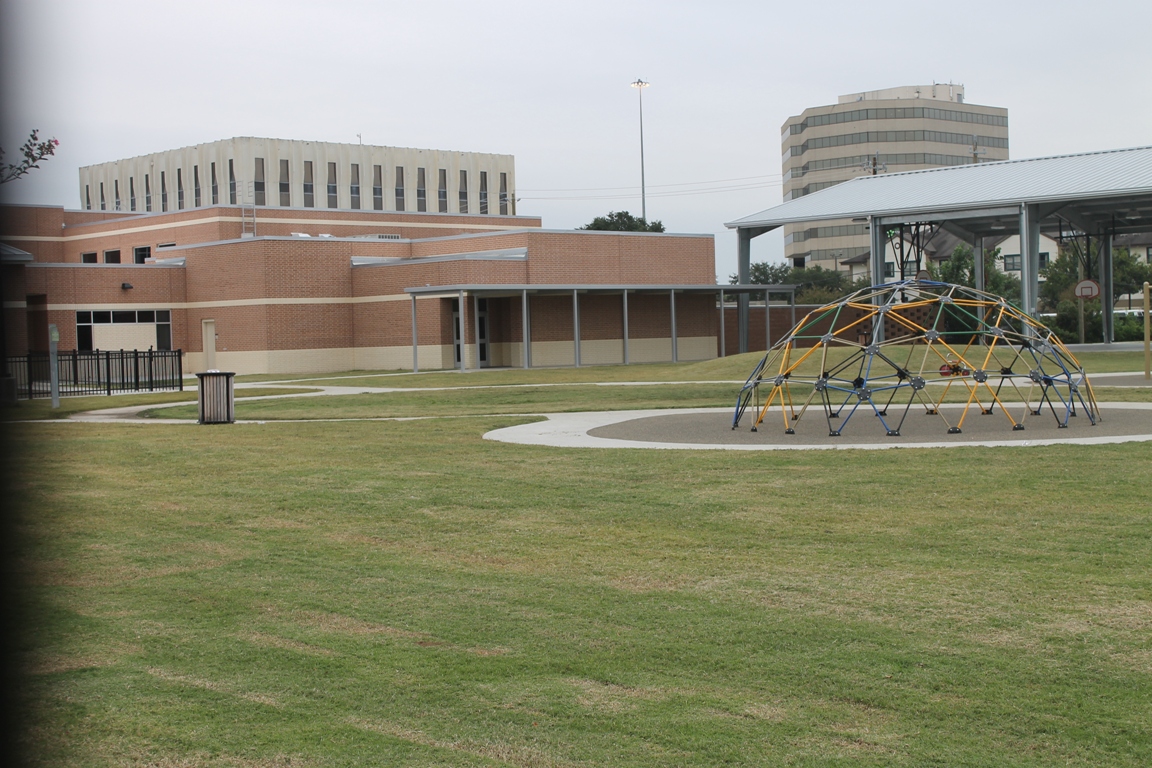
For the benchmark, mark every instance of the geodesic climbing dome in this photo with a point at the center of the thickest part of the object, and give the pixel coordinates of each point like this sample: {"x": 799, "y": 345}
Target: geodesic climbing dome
{"x": 916, "y": 342}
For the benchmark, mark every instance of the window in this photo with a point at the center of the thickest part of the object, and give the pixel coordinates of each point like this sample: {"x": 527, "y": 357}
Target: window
{"x": 442, "y": 191}
{"x": 354, "y": 186}
{"x": 231, "y": 184}
{"x": 179, "y": 189}
{"x": 87, "y": 198}
{"x": 215, "y": 186}
{"x": 258, "y": 185}
{"x": 1149, "y": 258}
{"x": 102, "y": 206}
{"x": 131, "y": 193}
{"x": 377, "y": 188}
{"x": 147, "y": 194}
{"x": 463, "y": 191}
{"x": 163, "y": 192}
{"x": 798, "y": 263}
{"x": 196, "y": 185}
{"x": 1012, "y": 262}
{"x": 400, "y": 188}
{"x": 889, "y": 269}
{"x": 116, "y": 192}
{"x": 161, "y": 318}
{"x": 1044, "y": 259}
{"x": 503, "y": 194}
{"x": 421, "y": 191}
{"x": 309, "y": 196}
{"x": 112, "y": 257}
{"x": 141, "y": 253}
{"x": 332, "y": 185}
{"x": 483, "y": 192}
{"x": 88, "y": 258}
{"x": 285, "y": 187}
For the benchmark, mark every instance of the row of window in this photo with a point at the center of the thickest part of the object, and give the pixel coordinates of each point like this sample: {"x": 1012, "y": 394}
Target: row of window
{"x": 140, "y": 254}
{"x": 161, "y": 318}
{"x": 898, "y": 113}
{"x": 808, "y": 189}
{"x": 840, "y": 230}
{"x": 259, "y": 191}
{"x": 871, "y": 137}
{"x": 1012, "y": 262}
{"x": 896, "y": 158}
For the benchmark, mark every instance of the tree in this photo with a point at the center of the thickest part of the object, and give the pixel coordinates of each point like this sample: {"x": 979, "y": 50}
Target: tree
{"x": 814, "y": 285}
{"x": 622, "y": 221}
{"x": 33, "y": 150}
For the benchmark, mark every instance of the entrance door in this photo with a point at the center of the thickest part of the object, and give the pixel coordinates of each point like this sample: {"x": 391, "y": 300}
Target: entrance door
{"x": 483, "y": 327}
{"x": 208, "y": 335}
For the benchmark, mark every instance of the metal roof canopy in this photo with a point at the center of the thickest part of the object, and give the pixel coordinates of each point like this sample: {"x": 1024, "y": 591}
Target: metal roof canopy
{"x": 524, "y": 290}
{"x": 1100, "y": 194}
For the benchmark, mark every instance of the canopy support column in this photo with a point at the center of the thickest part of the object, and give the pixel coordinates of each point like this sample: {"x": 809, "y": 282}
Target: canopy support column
{"x": 525, "y": 330}
{"x": 624, "y": 299}
{"x": 1029, "y": 257}
{"x": 879, "y": 248}
{"x": 978, "y": 262}
{"x": 575, "y": 328}
{"x": 415, "y": 348}
{"x": 744, "y": 275}
{"x": 1106, "y": 294}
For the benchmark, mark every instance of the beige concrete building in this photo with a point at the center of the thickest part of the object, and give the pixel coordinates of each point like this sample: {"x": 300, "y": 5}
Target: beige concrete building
{"x": 280, "y": 173}
{"x": 896, "y": 129}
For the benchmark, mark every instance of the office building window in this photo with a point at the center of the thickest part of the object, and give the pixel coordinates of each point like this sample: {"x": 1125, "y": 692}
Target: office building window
{"x": 116, "y": 192}
{"x": 215, "y": 186}
{"x": 112, "y": 257}
{"x": 87, "y": 198}
{"x": 354, "y": 186}
{"x": 258, "y": 182}
{"x": 309, "y": 187}
{"x": 147, "y": 194}
{"x": 483, "y": 192}
{"x": 163, "y": 192}
{"x": 179, "y": 189}
{"x": 285, "y": 187}
{"x": 103, "y": 207}
{"x": 503, "y": 194}
{"x": 231, "y": 184}
{"x": 89, "y": 258}
{"x": 141, "y": 253}
{"x": 463, "y": 191}
{"x": 1012, "y": 262}
{"x": 442, "y": 191}
{"x": 196, "y": 186}
{"x": 377, "y": 188}
{"x": 332, "y": 200}
{"x": 131, "y": 193}
{"x": 421, "y": 191}
{"x": 399, "y": 188}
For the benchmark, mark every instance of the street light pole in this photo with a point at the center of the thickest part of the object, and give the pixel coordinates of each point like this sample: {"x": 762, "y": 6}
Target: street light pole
{"x": 640, "y": 85}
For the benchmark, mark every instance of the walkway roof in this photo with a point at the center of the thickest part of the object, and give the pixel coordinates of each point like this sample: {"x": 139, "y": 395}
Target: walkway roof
{"x": 1093, "y": 192}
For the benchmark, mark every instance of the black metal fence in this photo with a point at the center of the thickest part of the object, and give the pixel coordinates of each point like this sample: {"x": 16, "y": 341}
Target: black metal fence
{"x": 98, "y": 372}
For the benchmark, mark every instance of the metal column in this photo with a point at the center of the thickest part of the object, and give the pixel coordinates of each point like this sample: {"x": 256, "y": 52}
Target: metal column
{"x": 625, "y": 295}
{"x": 978, "y": 263}
{"x": 767, "y": 323}
{"x": 415, "y": 358}
{"x": 672, "y": 305}
{"x": 476, "y": 319}
{"x": 744, "y": 274}
{"x": 463, "y": 315}
{"x": 1029, "y": 257}
{"x": 1106, "y": 280}
{"x": 525, "y": 330}
{"x": 879, "y": 248}
{"x": 723, "y": 346}
{"x": 576, "y": 329}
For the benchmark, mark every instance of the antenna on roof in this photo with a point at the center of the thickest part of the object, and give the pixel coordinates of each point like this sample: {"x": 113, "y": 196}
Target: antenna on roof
{"x": 873, "y": 165}
{"x": 976, "y": 150}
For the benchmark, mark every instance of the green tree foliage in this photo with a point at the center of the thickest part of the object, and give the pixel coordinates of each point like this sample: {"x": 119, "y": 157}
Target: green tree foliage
{"x": 623, "y": 221}
{"x": 33, "y": 151}
{"x": 814, "y": 285}
{"x": 1057, "y": 294}
{"x": 959, "y": 268}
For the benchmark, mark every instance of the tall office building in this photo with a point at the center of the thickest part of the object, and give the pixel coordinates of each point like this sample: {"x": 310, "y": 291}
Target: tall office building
{"x": 896, "y": 129}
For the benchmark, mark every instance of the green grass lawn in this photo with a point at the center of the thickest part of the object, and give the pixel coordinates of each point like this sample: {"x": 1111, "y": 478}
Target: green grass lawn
{"x": 407, "y": 593}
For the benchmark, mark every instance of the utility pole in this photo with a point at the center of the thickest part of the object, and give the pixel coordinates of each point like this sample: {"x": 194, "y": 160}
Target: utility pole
{"x": 873, "y": 165}
{"x": 977, "y": 152}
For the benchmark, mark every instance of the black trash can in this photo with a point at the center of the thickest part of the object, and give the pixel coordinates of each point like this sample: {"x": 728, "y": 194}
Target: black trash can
{"x": 217, "y": 401}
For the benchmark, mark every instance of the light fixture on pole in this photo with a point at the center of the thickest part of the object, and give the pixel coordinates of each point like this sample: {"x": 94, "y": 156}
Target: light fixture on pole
{"x": 640, "y": 85}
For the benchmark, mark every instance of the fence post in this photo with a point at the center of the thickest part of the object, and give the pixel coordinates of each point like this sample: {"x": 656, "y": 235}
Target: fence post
{"x": 108, "y": 372}
{"x": 28, "y": 367}
{"x": 136, "y": 370}
{"x": 180, "y": 368}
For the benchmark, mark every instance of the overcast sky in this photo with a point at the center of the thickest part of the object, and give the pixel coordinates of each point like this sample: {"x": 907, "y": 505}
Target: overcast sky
{"x": 549, "y": 83}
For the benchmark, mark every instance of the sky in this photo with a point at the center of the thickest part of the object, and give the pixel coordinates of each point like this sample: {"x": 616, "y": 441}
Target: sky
{"x": 549, "y": 83}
